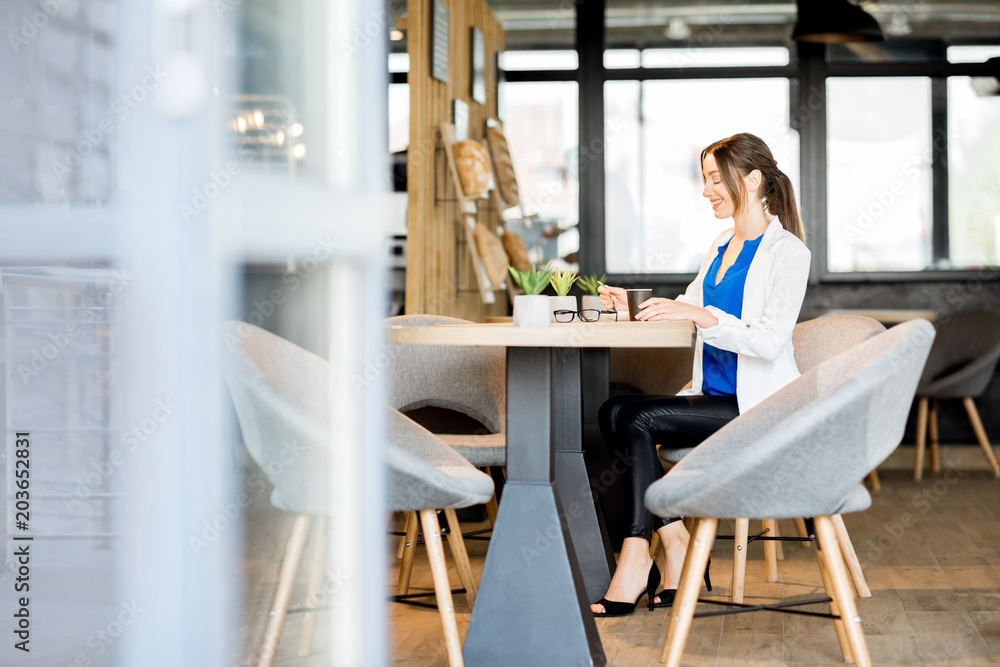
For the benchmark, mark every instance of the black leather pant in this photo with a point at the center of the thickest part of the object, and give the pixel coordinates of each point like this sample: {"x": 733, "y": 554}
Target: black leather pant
{"x": 635, "y": 424}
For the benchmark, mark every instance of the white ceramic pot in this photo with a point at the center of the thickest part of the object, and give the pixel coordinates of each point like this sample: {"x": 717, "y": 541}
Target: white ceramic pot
{"x": 591, "y": 302}
{"x": 532, "y": 310}
{"x": 561, "y": 303}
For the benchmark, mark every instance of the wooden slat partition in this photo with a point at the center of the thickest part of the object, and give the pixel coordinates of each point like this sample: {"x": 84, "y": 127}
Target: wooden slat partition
{"x": 432, "y": 252}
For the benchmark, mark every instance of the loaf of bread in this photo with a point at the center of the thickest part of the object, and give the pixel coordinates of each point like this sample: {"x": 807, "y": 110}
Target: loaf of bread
{"x": 473, "y": 167}
{"x": 516, "y": 251}
{"x": 492, "y": 254}
{"x": 500, "y": 152}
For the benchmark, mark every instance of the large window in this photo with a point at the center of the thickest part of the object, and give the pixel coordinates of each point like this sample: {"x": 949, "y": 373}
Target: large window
{"x": 899, "y": 139}
{"x": 657, "y": 220}
{"x": 879, "y": 159}
{"x": 973, "y": 174}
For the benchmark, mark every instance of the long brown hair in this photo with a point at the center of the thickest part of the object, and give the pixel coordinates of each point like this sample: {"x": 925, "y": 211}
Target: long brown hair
{"x": 740, "y": 154}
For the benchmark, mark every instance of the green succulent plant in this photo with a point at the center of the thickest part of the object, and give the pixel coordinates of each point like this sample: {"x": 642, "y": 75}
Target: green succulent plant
{"x": 533, "y": 281}
{"x": 561, "y": 282}
{"x": 589, "y": 284}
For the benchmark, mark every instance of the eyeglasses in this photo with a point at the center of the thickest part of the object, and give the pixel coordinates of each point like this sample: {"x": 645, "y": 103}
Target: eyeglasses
{"x": 587, "y": 315}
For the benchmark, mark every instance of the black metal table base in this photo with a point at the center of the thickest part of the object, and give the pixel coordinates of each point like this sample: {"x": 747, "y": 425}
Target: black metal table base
{"x": 532, "y": 607}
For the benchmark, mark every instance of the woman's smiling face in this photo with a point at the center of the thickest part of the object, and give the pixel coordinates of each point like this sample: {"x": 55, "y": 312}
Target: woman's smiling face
{"x": 715, "y": 190}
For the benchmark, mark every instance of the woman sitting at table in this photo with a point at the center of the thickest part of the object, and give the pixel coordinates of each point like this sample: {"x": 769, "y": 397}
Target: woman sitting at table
{"x": 744, "y": 303}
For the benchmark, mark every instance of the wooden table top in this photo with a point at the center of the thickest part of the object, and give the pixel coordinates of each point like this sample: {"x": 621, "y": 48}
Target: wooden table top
{"x": 575, "y": 334}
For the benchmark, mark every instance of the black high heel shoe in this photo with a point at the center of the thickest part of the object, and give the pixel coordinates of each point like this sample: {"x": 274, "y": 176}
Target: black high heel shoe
{"x": 667, "y": 595}
{"x": 612, "y": 608}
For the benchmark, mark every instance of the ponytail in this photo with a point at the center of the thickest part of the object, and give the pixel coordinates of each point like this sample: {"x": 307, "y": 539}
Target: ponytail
{"x": 779, "y": 200}
{"x": 740, "y": 154}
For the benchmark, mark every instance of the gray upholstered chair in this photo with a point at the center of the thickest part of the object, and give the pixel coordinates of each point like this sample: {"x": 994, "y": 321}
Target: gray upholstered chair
{"x": 281, "y": 394}
{"x": 961, "y": 364}
{"x": 814, "y": 341}
{"x": 802, "y": 452}
{"x": 468, "y": 380}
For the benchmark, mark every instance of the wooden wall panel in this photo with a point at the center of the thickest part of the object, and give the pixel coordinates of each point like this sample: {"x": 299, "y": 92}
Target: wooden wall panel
{"x": 435, "y": 284}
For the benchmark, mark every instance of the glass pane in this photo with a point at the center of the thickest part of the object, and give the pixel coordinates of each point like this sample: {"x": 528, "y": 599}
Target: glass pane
{"x": 973, "y": 170}
{"x": 658, "y": 175}
{"x": 696, "y": 56}
{"x": 972, "y": 54}
{"x": 528, "y": 60}
{"x": 399, "y": 62}
{"x": 622, "y": 58}
{"x": 541, "y": 125}
{"x": 61, "y": 104}
{"x": 622, "y": 183}
{"x": 399, "y": 117}
{"x": 879, "y": 176}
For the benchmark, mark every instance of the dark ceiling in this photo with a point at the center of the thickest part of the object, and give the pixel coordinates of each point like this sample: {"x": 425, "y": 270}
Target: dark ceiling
{"x": 636, "y": 23}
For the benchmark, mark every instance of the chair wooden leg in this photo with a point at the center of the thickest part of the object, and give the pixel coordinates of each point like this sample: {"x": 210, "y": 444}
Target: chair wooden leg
{"x": 410, "y": 518}
{"x": 778, "y": 546}
{"x": 461, "y": 557}
{"x": 918, "y": 465}
{"x": 317, "y": 569}
{"x": 932, "y": 426}
{"x": 874, "y": 480}
{"x": 409, "y": 552}
{"x": 442, "y": 588}
{"x": 655, "y": 548}
{"x": 739, "y": 560}
{"x": 851, "y": 558}
{"x": 286, "y": 581}
{"x": 491, "y": 510}
{"x": 841, "y": 590}
{"x": 770, "y": 550}
{"x": 842, "y": 640}
{"x": 682, "y": 611}
{"x": 800, "y": 528}
{"x": 984, "y": 442}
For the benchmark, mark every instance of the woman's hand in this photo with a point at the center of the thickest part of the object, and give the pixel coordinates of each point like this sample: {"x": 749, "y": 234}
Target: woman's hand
{"x": 656, "y": 308}
{"x": 613, "y": 298}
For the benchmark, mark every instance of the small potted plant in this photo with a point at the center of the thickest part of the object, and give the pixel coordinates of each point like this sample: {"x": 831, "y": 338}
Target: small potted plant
{"x": 531, "y": 309}
{"x": 589, "y": 284}
{"x": 561, "y": 283}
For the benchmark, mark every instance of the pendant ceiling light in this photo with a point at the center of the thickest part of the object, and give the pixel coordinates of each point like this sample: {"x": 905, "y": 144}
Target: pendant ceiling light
{"x": 834, "y": 21}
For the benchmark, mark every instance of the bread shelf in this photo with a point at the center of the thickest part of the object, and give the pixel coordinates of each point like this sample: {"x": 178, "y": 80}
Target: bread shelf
{"x": 466, "y": 219}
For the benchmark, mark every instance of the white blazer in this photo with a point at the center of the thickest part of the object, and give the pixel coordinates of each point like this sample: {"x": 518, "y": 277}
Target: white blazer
{"x": 762, "y": 337}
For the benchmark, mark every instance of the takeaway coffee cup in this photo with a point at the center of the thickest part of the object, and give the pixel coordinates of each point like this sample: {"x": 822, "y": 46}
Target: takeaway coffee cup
{"x": 635, "y": 297}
